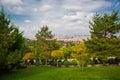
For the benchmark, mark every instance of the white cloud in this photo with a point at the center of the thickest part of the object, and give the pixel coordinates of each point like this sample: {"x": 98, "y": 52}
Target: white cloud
{"x": 63, "y": 17}
{"x": 72, "y": 7}
{"x": 43, "y": 8}
{"x": 13, "y": 6}
{"x": 17, "y": 9}
{"x": 29, "y": 31}
{"x": 27, "y": 21}
{"x": 85, "y": 5}
{"x": 11, "y": 2}
{"x": 78, "y": 18}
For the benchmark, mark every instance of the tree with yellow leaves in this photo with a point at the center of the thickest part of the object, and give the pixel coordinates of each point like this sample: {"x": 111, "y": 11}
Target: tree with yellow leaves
{"x": 79, "y": 53}
{"x": 29, "y": 55}
{"x": 57, "y": 54}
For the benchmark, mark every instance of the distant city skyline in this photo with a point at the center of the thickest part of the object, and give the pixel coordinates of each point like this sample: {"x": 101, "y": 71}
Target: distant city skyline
{"x": 63, "y": 17}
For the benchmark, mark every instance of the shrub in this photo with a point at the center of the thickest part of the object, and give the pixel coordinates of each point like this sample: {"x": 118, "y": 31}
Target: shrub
{"x": 113, "y": 61}
{"x": 59, "y": 63}
{"x": 74, "y": 62}
{"x": 66, "y": 63}
{"x": 53, "y": 63}
{"x": 21, "y": 66}
{"x": 91, "y": 62}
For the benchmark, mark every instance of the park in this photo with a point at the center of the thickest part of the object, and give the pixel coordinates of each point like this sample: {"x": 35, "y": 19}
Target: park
{"x": 46, "y": 58}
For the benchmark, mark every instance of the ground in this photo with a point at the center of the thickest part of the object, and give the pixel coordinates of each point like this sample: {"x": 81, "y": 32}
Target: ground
{"x": 74, "y": 73}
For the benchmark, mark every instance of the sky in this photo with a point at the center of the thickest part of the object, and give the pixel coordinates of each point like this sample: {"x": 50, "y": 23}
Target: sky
{"x": 63, "y": 17}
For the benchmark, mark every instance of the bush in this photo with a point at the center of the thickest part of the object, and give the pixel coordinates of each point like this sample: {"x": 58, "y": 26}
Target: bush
{"x": 42, "y": 61}
{"x": 91, "y": 62}
{"x": 21, "y": 66}
{"x": 66, "y": 63}
{"x": 74, "y": 62}
{"x": 59, "y": 63}
{"x": 53, "y": 63}
{"x": 113, "y": 61}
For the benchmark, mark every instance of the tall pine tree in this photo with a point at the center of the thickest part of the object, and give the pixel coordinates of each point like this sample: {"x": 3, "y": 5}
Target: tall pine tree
{"x": 11, "y": 43}
{"x": 104, "y": 41}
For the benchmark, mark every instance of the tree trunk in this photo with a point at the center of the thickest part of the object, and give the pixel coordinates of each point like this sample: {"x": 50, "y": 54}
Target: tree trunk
{"x": 82, "y": 67}
{"x": 57, "y": 63}
{"x": 46, "y": 62}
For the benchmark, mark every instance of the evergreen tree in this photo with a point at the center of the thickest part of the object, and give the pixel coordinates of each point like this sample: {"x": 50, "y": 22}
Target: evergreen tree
{"x": 45, "y": 43}
{"x": 11, "y": 43}
{"x": 104, "y": 41}
{"x": 105, "y": 26}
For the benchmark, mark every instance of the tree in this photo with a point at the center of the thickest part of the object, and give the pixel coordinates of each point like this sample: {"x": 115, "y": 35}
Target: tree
{"x": 57, "y": 54}
{"x": 28, "y": 55}
{"x": 11, "y": 43}
{"x": 79, "y": 53}
{"x": 104, "y": 39}
{"x": 67, "y": 51}
{"x": 45, "y": 43}
{"x": 105, "y": 26}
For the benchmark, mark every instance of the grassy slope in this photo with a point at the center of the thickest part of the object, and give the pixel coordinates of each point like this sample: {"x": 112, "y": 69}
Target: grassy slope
{"x": 51, "y": 73}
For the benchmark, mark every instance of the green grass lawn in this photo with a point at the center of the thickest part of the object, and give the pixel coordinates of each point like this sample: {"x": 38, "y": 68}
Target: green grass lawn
{"x": 75, "y": 73}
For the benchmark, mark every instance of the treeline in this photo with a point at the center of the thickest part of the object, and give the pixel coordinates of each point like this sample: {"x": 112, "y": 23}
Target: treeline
{"x": 102, "y": 47}
{"x": 15, "y": 50}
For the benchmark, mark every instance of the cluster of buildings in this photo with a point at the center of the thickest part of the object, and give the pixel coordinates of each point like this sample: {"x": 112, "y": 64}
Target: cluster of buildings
{"x": 78, "y": 38}
{"x": 73, "y": 39}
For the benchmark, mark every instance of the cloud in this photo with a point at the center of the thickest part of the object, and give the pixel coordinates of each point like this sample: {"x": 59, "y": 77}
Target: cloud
{"x": 63, "y": 17}
{"x": 11, "y": 2}
{"x": 72, "y": 7}
{"x": 85, "y": 5}
{"x": 29, "y": 31}
{"x": 13, "y": 6}
{"x": 17, "y": 9}
{"x": 79, "y": 16}
{"x": 27, "y": 21}
{"x": 43, "y": 8}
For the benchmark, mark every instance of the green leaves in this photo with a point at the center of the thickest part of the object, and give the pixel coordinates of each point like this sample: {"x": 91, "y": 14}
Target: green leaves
{"x": 45, "y": 43}
{"x": 105, "y": 26}
{"x": 44, "y": 33}
{"x": 11, "y": 42}
{"x": 104, "y": 42}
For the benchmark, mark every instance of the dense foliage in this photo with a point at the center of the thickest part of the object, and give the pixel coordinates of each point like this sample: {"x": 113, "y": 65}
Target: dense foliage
{"x": 45, "y": 43}
{"x": 105, "y": 40}
{"x": 11, "y": 43}
{"x": 104, "y": 43}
